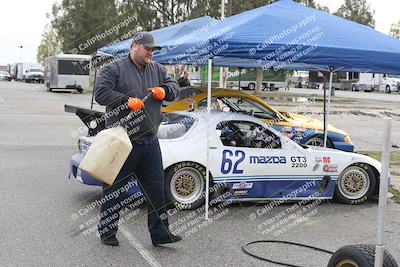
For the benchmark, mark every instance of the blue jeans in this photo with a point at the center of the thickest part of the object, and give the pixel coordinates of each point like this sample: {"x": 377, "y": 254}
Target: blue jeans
{"x": 145, "y": 164}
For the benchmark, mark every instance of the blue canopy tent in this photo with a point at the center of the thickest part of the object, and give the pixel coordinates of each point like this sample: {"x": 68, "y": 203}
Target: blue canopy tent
{"x": 162, "y": 36}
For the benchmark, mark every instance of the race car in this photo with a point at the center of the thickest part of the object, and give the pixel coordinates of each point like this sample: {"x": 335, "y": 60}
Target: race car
{"x": 301, "y": 129}
{"x": 249, "y": 161}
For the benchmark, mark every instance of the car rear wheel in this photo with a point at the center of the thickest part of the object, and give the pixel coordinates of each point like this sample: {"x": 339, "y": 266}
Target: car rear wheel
{"x": 185, "y": 185}
{"x": 355, "y": 184}
{"x": 387, "y": 89}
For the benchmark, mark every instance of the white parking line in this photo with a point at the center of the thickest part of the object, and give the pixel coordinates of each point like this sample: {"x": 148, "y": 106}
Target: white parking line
{"x": 143, "y": 252}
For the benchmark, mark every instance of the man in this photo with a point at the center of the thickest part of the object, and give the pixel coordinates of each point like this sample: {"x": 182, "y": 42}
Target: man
{"x": 184, "y": 80}
{"x": 121, "y": 86}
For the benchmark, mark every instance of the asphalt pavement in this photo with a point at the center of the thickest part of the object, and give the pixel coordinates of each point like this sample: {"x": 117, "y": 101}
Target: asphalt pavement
{"x": 48, "y": 219}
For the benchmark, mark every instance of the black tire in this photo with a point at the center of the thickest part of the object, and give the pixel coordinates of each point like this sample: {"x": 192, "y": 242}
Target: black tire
{"x": 354, "y": 88}
{"x": 251, "y": 86}
{"x": 387, "y": 89}
{"x": 362, "y": 255}
{"x": 195, "y": 174}
{"x": 364, "y": 171}
{"x": 80, "y": 90}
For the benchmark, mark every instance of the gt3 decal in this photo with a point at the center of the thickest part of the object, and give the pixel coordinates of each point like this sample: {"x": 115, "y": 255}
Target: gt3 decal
{"x": 298, "y": 162}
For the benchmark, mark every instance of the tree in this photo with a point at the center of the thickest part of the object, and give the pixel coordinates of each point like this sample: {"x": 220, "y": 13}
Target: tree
{"x": 358, "y": 11}
{"x": 395, "y": 30}
{"x": 49, "y": 45}
{"x": 85, "y": 25}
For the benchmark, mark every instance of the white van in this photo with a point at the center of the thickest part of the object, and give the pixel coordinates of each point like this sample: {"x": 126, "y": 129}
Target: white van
{"x": 377, "y": 82}
{"x": 67, "y": 71}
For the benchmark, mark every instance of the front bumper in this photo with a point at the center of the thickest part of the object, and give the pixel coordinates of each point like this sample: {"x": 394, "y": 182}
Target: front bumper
{"x": 80, "y": 175}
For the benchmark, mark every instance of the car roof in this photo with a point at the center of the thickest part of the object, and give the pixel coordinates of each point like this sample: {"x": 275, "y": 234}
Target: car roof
{"x": 219, "y": 116}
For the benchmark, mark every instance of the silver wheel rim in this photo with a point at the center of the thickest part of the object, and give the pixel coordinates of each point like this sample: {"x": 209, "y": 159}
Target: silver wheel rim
{"x": 354, "y": 183}
{"x": 347, "y": 263}
{"x": 251, "y": 86}
{"x": 187, "y": 185}
{"x": 315, "y": 141}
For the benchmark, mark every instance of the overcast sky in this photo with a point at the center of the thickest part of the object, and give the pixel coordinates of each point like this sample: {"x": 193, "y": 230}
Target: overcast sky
{"x": 22, "y": 23}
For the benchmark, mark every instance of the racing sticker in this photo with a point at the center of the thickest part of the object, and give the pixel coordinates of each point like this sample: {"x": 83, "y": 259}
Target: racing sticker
{"x": 326, "y": 160}
{"x": 267, "y": 160}
{"x": 298, "y": 162}
{"x": 330, "y": 168}
{"x": 316, "y": 166}
{"x": 241, "y": 193}
{"x": 242, "y": 185}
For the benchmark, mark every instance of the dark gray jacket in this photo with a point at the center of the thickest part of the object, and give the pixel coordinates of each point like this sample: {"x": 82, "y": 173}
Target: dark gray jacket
{"x": 123, "y": 79}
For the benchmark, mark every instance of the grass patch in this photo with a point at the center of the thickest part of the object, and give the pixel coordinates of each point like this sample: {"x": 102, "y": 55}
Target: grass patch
{"x": 396, "y": 194}
{"x": 394, "y": 157}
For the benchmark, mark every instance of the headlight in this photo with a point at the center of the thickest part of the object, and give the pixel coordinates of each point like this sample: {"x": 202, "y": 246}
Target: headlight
{"x": 347, "y": 139}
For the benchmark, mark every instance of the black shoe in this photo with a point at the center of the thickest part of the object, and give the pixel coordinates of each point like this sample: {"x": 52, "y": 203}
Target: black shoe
{"x": 166, "y": 240}
{"x": 110, "y": 241}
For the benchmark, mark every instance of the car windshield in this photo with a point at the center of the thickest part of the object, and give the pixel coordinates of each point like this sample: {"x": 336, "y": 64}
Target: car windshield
{"x": 241, "y": 105}
{"x": 394, "y": 76}
{"x": 174, "y": 126}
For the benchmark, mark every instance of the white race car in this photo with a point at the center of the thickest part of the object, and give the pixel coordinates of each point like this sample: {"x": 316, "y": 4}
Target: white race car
{"x": 249, "y": 161}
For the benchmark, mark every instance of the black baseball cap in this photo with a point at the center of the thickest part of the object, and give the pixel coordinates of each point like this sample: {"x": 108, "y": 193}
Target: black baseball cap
{"x": 146, "y": 39}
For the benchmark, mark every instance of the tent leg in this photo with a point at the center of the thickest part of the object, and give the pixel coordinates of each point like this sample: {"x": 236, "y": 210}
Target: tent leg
{"x": 383, "y": 190}
{"x": 208, "y": 135}
{"x": 327, "y": 108}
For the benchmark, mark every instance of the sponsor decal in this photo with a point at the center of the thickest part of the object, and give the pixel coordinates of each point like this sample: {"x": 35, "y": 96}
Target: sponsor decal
{"x": 316, "y": 166}
{"x": 326, "y": 160}
{"x": 267, "y": 160}
{"x": 242, "y": 185}
{"x": 241, "y": 193}
{"x": 330, "y": 168}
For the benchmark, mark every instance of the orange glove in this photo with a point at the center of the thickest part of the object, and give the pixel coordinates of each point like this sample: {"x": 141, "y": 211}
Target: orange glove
{"x": 158, "y": 93}
{"x": 135, "y": 103}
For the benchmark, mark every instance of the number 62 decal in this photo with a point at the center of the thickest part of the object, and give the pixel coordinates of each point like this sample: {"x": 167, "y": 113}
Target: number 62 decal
{"x": 228, "y": 165}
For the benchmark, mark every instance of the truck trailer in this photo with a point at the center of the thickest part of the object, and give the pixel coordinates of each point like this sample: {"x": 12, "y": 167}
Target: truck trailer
{"x": 67, "y": 71}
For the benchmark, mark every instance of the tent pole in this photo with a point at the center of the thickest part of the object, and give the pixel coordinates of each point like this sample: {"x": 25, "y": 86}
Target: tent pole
{"x": 95, "y": 77}
{"x": 209, "y": 124}
{"x": 327, "y": 108}
{"x": 383, "y": 191}
{"x": 240, "y": 75}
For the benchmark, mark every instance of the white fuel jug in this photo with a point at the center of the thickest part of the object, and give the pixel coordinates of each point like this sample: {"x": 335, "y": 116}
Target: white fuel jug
{"x": 107, "y": 154}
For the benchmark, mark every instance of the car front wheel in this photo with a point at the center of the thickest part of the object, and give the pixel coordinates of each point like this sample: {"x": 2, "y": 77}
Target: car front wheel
{"x": 355, "y": 184}
{"x": 387, "y": 89}
{"x": 185, "y": 185}
{"x": 318, "y": 141}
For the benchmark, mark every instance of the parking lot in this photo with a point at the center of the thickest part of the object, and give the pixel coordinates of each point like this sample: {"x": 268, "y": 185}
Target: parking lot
{"x": 45, "y": 222}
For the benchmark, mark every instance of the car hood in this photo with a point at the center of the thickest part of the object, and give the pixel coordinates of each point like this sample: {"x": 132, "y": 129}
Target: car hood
{"x": 307, "y": 122}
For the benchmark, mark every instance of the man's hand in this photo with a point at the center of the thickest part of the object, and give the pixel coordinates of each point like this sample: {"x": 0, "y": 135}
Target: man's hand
{"x": 158, "y": 93}
{"x": 135, "y": 104}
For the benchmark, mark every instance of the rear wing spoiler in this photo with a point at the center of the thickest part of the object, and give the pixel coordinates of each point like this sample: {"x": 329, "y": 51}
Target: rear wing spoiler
{"x": 93, "y": 119}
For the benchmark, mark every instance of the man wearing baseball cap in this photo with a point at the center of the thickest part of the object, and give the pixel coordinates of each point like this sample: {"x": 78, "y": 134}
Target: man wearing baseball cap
{"x": 121, "y": 86}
